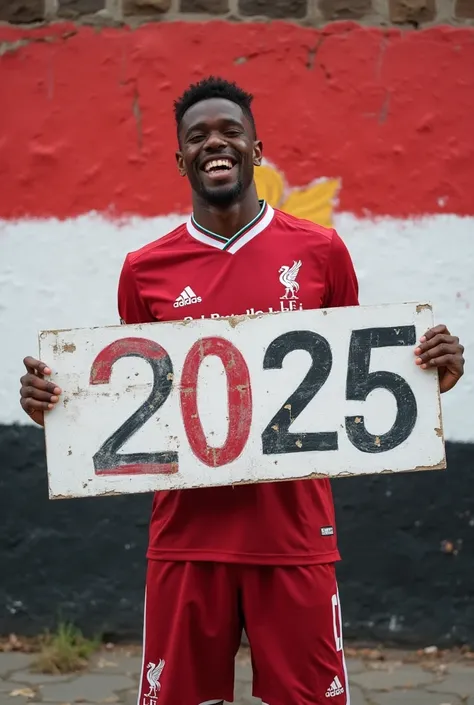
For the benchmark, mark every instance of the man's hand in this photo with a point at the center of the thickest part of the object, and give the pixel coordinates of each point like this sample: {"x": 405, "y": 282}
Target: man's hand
{"x": 37, "y": 395}
{"x": 442, "y": 350}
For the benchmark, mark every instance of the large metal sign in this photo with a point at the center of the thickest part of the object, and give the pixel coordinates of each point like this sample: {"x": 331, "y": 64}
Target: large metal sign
{"x": 328, "y": 393}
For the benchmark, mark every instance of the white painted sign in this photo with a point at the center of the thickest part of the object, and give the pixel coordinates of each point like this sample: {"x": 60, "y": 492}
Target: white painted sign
{"x": 328, "y": 393}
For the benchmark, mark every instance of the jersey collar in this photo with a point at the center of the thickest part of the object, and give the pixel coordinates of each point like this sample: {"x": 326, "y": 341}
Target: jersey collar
{"x": 245, "y": 234}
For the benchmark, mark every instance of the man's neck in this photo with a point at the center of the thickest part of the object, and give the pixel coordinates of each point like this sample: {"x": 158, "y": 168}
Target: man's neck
{"x": 229, "y": 220}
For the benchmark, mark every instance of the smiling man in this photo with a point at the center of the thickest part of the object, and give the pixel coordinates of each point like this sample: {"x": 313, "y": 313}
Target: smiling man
{"x": 259, "y": 556}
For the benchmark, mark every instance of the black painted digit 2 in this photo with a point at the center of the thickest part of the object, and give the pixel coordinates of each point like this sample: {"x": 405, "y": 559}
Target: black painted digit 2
{"x": 276, "y": 437}
{"x": 107, "y": 460}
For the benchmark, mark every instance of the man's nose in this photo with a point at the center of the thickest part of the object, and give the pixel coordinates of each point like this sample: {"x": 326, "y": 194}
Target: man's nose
{"x": 215, "y": 141}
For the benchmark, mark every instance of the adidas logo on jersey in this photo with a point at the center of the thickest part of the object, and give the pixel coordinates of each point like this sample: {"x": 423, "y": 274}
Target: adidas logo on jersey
{"x": 186, "y": 298}
{"x": 335, "y": 688}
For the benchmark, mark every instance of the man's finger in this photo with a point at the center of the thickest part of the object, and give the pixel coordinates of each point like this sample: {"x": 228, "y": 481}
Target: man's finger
{"x": 38, "y": 395}
{"x": 30, "y": 405}
{"x": 447, "y": 360}
{"x": 436, "y": 340}
{"x": 436, "y": 330}
{"x": 441, "y": 349}
{"x": 32, "y": 381}
{"x": 33, "y": 365}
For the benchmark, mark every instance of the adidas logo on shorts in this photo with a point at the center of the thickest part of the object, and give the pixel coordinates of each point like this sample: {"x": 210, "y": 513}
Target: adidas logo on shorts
{"x": 187, "y": 297}
{"x": 335, "y": 688}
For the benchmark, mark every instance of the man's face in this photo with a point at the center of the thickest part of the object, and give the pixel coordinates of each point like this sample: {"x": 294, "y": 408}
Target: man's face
{"x": 218, "y": 151}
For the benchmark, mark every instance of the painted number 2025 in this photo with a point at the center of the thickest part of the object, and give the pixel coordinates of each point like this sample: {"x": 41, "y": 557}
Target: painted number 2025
{"x": 276, "y": 437}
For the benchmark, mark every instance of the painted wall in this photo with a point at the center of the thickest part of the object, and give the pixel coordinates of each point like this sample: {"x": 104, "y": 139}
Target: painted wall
{"x": 365, "y": 129}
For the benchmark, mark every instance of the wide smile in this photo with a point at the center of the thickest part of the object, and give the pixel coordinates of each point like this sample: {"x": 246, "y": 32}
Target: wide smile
{"x": 219, "y": 168}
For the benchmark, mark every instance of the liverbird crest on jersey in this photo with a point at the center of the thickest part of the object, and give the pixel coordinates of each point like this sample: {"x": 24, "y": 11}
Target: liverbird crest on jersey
{"x": 288, "y": 280}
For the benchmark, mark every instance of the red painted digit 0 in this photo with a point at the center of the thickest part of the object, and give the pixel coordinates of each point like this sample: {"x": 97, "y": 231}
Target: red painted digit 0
{"x": 239, "y": 395}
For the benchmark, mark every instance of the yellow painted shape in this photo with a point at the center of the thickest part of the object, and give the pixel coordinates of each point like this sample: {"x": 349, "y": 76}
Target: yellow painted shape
{"x": 314, "y": 203}
{"x": 270, "y": 185}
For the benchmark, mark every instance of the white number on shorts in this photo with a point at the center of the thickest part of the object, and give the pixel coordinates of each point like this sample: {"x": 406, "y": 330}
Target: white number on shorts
{"x": 336, "y": 621}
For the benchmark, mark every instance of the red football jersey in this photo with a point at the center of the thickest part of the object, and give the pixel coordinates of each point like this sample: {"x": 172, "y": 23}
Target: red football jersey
{"x": 193, "y": 273}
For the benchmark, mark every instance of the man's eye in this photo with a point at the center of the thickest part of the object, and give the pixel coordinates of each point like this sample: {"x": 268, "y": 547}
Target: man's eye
{"x": 195, "y": 138}
{"x": 232, "y": 133}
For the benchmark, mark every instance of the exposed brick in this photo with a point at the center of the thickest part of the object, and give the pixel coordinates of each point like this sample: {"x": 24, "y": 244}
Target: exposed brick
{"x": 465, "y": 9}
{"x": 412, "y": 11}
{"x": 213, "y": 7}
{"x": 344, "y": 9}
{"x": 146, "y": 7}
{"x": 276, "y": 9}
{"x": 75, "y": 8}
{"x": 19, "y": 11}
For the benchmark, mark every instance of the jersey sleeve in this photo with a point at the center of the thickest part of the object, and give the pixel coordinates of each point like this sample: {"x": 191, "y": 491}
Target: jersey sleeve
{"x": 342, "y": 287}
{"x": 131, "y": 307}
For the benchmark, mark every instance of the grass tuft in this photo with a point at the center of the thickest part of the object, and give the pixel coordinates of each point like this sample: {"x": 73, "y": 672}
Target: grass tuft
{"x": 64, "y": 651}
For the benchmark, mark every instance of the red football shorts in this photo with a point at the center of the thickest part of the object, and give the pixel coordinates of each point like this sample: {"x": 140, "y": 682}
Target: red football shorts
{"x": 194, "y": 616}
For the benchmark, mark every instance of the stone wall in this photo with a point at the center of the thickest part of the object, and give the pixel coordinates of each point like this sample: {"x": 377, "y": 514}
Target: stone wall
{"x": 382, "y": 13}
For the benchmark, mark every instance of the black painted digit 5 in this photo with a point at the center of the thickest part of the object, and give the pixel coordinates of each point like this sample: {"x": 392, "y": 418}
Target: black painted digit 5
{"x": 107, "y": 460}
{"x": 276, "y": 437}
{"x": 360, "y": 382}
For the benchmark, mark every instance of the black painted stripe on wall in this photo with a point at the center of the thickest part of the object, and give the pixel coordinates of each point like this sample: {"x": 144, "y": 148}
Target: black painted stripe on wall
{"x": 84, "y": 560}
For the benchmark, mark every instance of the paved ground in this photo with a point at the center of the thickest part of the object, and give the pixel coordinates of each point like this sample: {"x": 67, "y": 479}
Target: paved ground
{"x": 377, "y": 678}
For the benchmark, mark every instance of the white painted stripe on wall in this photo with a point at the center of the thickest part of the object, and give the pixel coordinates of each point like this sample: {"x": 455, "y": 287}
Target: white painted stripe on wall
{"x": 63, "y": 274}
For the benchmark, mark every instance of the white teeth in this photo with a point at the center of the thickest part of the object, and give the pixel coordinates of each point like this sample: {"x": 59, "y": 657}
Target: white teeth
{"x": 217, "y": 164}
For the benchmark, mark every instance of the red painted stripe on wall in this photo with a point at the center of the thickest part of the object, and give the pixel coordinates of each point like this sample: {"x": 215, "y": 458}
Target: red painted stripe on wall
{"x": 86, "y": 120}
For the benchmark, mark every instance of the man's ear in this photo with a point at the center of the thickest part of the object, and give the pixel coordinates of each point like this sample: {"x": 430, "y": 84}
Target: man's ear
{"x": 180, "y": 163}
{"x": 257, "y": 152}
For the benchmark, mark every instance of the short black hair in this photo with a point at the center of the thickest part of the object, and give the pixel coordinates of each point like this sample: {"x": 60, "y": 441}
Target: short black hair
{"x": 214, "y": 87}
